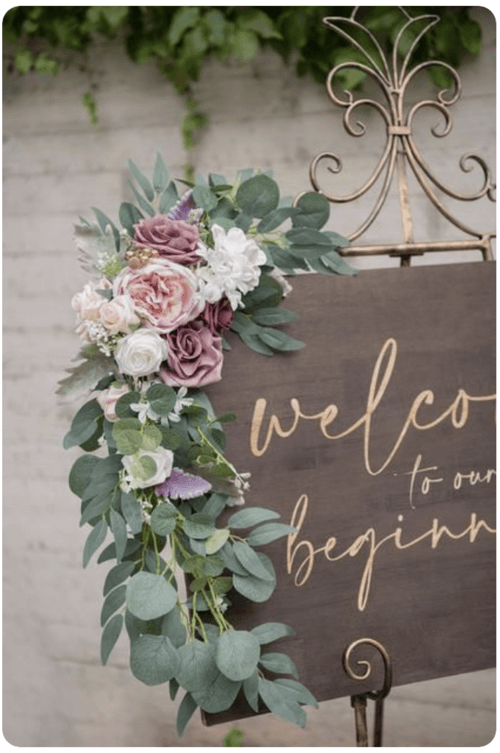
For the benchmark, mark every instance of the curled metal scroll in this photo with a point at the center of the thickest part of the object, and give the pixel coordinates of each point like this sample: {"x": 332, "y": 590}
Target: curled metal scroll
{"x": 361, "y": 676}
{"x": 393, "y": 77}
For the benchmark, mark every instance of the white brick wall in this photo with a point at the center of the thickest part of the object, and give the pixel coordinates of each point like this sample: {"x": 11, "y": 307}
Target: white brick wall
{"x": 56, "y": 165}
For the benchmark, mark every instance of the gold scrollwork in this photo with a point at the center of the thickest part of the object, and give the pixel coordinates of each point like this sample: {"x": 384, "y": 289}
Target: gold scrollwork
{"x": 393, "y": 77}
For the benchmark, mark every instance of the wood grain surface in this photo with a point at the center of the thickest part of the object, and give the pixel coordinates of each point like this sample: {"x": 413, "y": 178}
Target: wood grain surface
{"x": 396, "y": 539}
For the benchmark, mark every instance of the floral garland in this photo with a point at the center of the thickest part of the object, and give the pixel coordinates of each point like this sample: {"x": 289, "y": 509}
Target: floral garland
{"x": 167, "y": 288}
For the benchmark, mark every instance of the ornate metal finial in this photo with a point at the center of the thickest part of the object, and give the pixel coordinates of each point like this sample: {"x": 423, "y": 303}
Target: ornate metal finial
{"x": 393, "y": 75}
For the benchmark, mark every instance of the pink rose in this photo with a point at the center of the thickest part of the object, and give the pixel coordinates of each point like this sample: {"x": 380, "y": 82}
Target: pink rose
{"x": 88, "y": 303}
{"x": 194, "y": 357}
{"x": 218, "y": 316}
{"x": 107, "y": 399}
{"x": 118, "y": 315}
{"x": 164, "y": 294}
{"x": 175, "y": 240}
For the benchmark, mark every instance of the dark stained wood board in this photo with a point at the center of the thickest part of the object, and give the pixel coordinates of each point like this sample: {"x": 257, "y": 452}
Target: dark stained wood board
{"x": 433, "y": 607}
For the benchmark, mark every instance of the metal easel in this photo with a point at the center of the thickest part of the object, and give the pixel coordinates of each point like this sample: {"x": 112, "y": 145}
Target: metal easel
{"x": 400, "y": 151}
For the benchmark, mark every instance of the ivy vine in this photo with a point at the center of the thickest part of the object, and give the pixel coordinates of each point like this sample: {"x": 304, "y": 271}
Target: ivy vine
{"x": 182, "y": 38}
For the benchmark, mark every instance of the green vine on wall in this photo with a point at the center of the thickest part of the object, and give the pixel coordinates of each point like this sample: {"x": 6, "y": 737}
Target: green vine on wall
{"x": 181, "y": 39}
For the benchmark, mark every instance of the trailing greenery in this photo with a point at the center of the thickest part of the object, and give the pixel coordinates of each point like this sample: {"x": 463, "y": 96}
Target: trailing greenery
{"x": 160, "y": 492}
{"x": 182, "y": 38}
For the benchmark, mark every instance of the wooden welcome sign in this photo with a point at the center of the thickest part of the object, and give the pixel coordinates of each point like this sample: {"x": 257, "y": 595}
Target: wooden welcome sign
{"x": 377, "y": 442}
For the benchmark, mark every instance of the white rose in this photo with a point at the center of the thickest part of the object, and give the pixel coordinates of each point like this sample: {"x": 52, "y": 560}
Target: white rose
{"x": 140, "y": 353}
{"x": 107, "y": 399}
{"x": 164, "y": 460}
{"x": 118, "y": 315}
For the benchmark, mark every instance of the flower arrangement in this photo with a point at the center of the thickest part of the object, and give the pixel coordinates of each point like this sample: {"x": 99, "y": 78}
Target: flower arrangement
{"x": 153, "y": 321}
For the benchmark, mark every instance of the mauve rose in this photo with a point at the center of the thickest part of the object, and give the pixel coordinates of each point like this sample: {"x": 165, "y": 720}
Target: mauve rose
{"x": 175, "y": 240}
{"x": 194, "y": 357}
{"x": 165, "y": 294}
{"x": 218, "y": 316}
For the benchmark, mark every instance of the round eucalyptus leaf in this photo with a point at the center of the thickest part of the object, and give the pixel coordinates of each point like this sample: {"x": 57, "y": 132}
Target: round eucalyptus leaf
{"x": 238, "y": 653}
{"x": 219, "y": 696}
{"x": 150, "y": 596}
{"x": 163, "y": 519}
{"x": 197, "y": 668}
{"x": 153, "y": 659}
{"x": 258, "y": 196}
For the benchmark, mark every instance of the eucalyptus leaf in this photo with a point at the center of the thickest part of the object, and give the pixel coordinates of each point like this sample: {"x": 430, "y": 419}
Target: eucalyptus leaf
{"x": 109, "y": 552}
{"x": 163, "y": 519}
{"x": 278, "y": 701}
{"x": 136, "y": 627}
{"x": 151, "y": 438}
{"x": 279, "y": 340}
{"x": 269, "y": 532}
{"x": 173, "y": 687}
{"x": 251, "y": 561}
{"x": 204, "y": 198}
{"x": 162, "y": 398}
{"x": 144, "y": 205}
{"x": 313, "y": 210}
{"x": 172, "y": 627}
{"x": 250, "y": 516}
{"x": 117, "y": 575}
{"x": 168, "y": 198}
{"x": 110, "y": 635}
{"x": 142, "y": 180}
{"x": 271, "y": 631}
{"x": 218, "y": 696}
{"x": 129, "y": 216}
{"x": 186, "y": 710}
{"x": 230, "y": 560}
{"x": 279, "y": 663}
{"x": 197, "y": 668}
{"x": 132, "y": 511}
{"x": 258, "y": 196}
{"x": 251, "y": 690}
{"x": 237, "y": 655}
{"x": 150, "y": 596}
{"x": 153, "y": 659}
{"x": 113, "y": 601}
{"x": 297, "y": 691}
{"x": 81, "y": 473}
{"x": 94, "y": 540}
{"x": 199, "y": 526}
{"x": 216, "y": 540}
{"x": 160, "y": 174}
{"x": 269, "y": 317}
{"x": 119, "y": 530}
{"x": 275, "y": 218}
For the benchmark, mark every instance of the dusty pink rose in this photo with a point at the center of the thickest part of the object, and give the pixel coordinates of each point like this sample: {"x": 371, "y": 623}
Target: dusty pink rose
{"x": 118, "y": 315}
{"x": 175, "y": 240}
{"x": 218, "y": 316}
{"x": 164, "y": 294}
{"x": 194, "y": 357}
{"x": 107, "y": 399}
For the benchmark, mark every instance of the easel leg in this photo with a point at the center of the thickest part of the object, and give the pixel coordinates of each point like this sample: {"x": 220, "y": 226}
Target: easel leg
{"x": 378, "y": 727}
{"x": 358, "y": 702}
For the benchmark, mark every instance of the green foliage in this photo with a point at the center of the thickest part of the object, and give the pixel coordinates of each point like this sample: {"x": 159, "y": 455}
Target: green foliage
{"x": 234, "y": 738}
{"x": 182, "y": 39}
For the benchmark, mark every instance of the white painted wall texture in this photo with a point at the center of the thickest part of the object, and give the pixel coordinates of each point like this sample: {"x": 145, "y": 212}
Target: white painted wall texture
{"x": 56, "y": 165}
